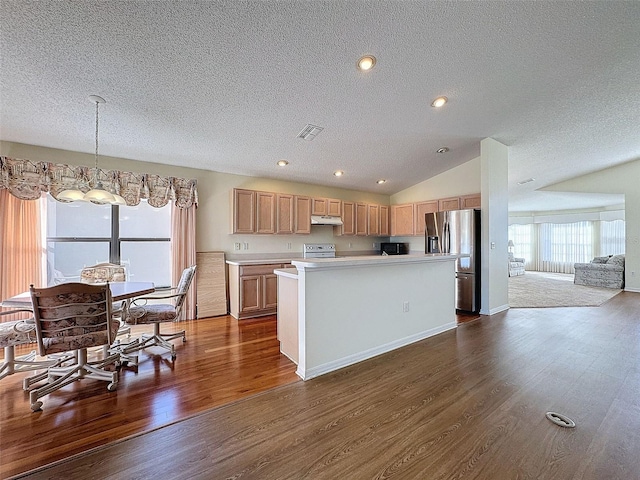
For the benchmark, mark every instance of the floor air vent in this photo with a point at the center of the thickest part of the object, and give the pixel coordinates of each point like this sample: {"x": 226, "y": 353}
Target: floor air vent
{"x": 561, "y": 420}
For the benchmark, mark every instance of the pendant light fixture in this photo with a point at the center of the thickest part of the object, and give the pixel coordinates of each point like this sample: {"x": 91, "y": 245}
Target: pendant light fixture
{"x": 98, "y": 194}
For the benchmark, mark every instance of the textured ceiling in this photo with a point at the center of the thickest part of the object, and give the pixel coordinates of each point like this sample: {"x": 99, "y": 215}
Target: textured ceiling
{"x": 227, "y": 86}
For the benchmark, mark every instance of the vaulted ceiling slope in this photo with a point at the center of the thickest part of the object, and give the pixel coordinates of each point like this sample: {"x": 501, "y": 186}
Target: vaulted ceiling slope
{"x": 227, "y": 86}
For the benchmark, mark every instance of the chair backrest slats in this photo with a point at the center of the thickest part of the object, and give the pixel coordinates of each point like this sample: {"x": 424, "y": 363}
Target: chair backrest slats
{"x": 71, "y": 316}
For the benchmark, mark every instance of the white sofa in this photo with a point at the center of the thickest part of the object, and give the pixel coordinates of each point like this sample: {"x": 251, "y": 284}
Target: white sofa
{"x": 601, "y": 272}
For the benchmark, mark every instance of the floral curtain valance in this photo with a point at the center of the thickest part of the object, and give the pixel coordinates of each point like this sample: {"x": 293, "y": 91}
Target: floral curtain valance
{"x": 26, "y": 180}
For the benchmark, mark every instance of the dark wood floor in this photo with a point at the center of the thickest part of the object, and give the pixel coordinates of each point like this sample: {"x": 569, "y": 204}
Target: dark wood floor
{"x": 468, "y": 403}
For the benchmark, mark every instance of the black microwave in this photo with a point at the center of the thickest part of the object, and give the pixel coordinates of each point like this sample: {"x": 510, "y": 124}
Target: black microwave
{"x": 393, "y": 248}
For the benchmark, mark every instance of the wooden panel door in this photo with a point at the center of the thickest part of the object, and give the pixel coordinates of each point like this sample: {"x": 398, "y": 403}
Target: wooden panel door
{"x": 334, "y": 207}
{"x": 402, "y": 220}
{"x": 361, "y": 218}
{"x": 470, "y": 201}
{"x": 373, "y": 219}
{"x": 270, "y": 290}
{"x": 348, "y": 226}
{"x": 250, "y": 294}
{"x": 284, "y": 213}
{"x": 318, "y": 206}
{"x": 302, "y": 214}
{"x": 422, "y": 208}
{"x": 445, "y": 204}
{"x": 265, "y": 212}
{"x": 384, "y": 221}
{"x": 244, "y": 213}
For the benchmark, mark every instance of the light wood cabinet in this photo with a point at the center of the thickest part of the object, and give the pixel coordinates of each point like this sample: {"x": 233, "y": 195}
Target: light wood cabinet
{"x": 361, "y": 219}
{"x": 318, "y": 206}
{"x": 402, "y": 223}
{"x": 253, "y": 290}
{"x": 326, "y": 206}
{"x": 373, "y": 219}
{"x": 284, "y": 213}
{"x": 421, "y": 209}
{"x": 348, "y": 226}
{"x": 265, "y": 212}
{"x": 384, "y": 221}
{"x": 302, "y": 214}
{"x": 446, "y": 204}
{"x": 334, "y": 207}
{"x": 244, "y": 211}
{"x": 470, "y": 201}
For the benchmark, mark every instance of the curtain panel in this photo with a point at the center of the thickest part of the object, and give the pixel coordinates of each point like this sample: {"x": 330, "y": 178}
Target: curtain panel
{"x": 183, "y": 253}
{"x": 21, "y": 248}
{"x": 27, "y": 180}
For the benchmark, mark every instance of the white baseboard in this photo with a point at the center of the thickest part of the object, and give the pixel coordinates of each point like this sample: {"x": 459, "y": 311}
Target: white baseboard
{"x": 634, "y": 290}
{"x": 373, "y": 352}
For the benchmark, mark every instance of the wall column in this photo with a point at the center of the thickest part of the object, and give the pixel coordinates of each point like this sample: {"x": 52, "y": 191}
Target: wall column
{"x": 494, "y": 169}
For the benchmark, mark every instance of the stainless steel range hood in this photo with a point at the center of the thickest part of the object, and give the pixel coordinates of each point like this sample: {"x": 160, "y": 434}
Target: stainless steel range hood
{"x": 325, "y": 220}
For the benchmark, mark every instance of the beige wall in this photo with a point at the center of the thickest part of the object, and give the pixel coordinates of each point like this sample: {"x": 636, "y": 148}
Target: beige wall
{"x": 214, "y": 210}
{"x": 624, "y": 179}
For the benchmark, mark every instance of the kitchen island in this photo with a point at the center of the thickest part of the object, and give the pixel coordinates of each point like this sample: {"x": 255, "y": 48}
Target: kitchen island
{"x": 353, "y": 308}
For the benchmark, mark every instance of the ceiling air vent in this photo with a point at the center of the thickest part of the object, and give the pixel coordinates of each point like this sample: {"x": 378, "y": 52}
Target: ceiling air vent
{"x": 309, "y": 132}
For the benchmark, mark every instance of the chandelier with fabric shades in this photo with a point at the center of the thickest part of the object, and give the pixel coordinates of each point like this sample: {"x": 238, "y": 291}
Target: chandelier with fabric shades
{"x": 98, "y": 194}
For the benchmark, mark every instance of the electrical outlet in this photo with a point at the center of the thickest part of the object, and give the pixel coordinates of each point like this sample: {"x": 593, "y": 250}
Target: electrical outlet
{"x": 246, "y": 245}
{"x": 405, "y": 307}
{"x": 633, "y": 273}
{"x": 236, "y": 246}
{"x": 375, "y": 245}
{"x": 350, "y": 245}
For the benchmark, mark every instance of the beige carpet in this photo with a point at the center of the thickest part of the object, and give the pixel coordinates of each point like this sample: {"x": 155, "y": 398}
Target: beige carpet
{"x": 542, "y": 289}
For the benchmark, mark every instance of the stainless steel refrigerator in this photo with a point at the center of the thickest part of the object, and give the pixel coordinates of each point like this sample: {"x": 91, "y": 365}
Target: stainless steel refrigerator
{"x": 458, "y": 231}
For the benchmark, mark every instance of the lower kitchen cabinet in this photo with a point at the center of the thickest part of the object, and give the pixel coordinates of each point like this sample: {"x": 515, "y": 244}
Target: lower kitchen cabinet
{"x": 253, "y": 290}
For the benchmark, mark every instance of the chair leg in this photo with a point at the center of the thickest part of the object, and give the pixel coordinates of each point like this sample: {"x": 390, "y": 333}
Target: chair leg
{"x": 24, "y": 363}
{"x": 157, "y": 339}
{"x": 58, "y": 377}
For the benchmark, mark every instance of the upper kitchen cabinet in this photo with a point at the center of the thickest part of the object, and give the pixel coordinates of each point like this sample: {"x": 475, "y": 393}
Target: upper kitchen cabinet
{"x": 362, "y": 213}
{"x": 284, "y": 213}
{"x": 446, "y": 204}
{"x": 402, "y": 223}
{"x": 421, "y": 209}
{"x": 470, "y": 201}
{"x": 373, "y": 219}
{"x": 302, "y": 214}
{"x": 326, "y": 206}
{"x": 348, "y": 226}
{"x": 244, "y": 211}
{"x": 265, "y": 212}
{"x": 384, "y": 221}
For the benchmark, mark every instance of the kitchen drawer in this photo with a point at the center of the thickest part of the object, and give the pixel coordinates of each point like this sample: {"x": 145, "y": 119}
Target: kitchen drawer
{"x": 258, "y": 269}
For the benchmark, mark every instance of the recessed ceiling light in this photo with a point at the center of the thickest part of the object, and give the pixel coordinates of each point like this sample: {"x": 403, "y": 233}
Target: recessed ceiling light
{"x": 381, "y": 181}
{"x": 282, "y": 163}
{"x": 338, "y": 173}
{"x": 528, "y": 180}
{"x": 442, "y": 150}
{"x": 366, "y": 63}
{"x": 438, "y": 102}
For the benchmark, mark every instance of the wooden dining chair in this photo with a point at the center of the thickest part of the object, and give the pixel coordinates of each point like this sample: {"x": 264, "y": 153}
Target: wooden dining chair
{"x": 143, "y": 311}
{"x": 73, "y": 317}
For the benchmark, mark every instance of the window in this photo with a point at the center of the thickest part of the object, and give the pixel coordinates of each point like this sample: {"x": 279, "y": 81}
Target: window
{"x": 612, "y": 237}
{"x": 82, "y": 234}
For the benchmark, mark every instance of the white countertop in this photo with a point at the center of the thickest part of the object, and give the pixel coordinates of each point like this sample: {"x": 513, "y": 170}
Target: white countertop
{"x": 287, "y": 272}
{"x": 373, "y": 260}
{"x": 261, "y": 261}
